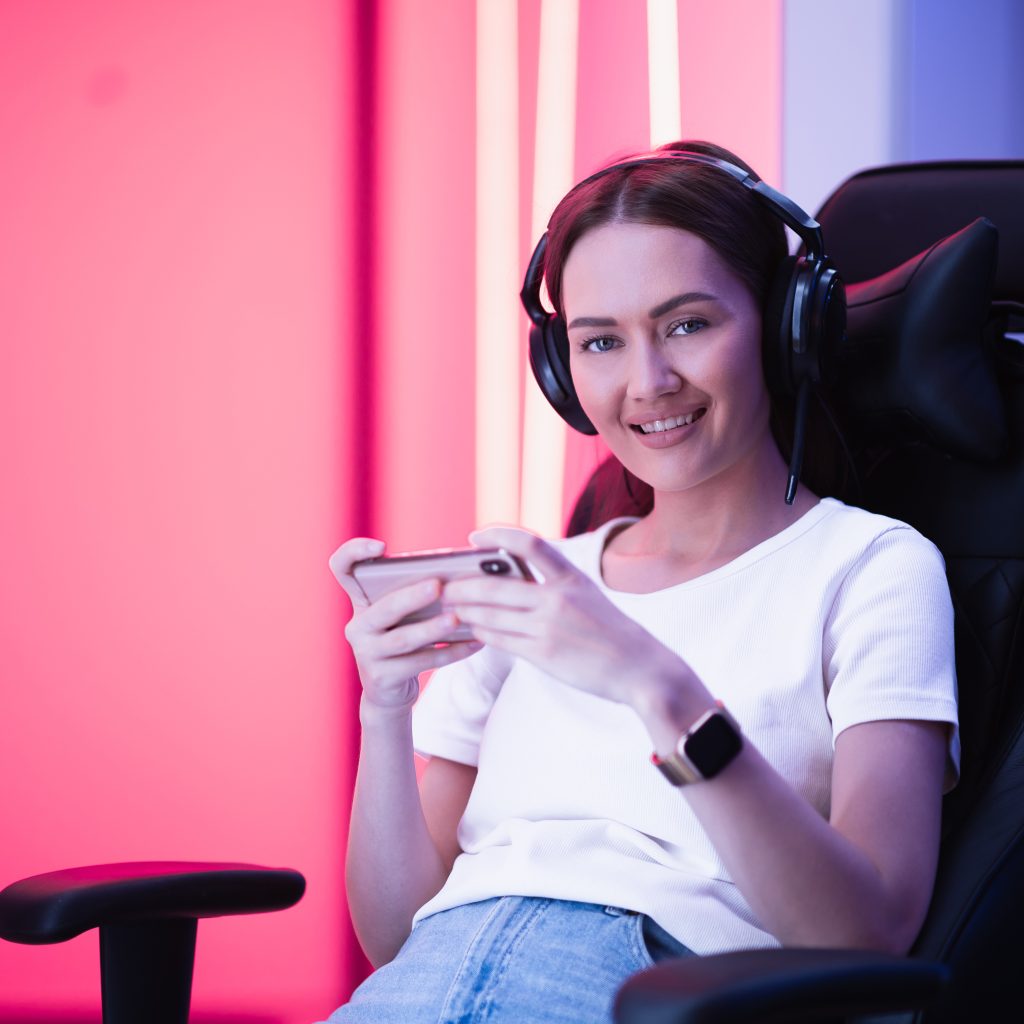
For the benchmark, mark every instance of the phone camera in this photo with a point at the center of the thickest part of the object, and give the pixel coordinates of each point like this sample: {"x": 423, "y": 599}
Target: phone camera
{"x": 495, "y": 567}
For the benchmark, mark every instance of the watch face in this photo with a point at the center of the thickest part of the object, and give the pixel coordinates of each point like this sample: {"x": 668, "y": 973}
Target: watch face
{"x": 713, "y": 745}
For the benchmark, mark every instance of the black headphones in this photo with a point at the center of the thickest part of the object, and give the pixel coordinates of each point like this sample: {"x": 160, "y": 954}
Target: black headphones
{"x": 804, "y": 321}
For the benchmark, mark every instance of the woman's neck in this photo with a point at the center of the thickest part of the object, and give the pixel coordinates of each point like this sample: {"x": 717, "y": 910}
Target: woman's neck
{"x": 722, "y": 517}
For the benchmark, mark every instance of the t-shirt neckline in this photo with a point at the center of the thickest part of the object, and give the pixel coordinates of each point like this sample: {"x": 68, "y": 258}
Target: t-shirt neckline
{"x": 807, "y": 521}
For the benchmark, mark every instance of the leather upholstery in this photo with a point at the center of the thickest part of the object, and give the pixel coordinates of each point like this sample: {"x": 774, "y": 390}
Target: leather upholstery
{"x": 974, "y": 512}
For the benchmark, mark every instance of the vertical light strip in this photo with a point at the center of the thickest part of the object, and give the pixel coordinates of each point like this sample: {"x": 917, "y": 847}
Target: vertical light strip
{"x": 498, "y": 316}
{"x": 553, "y": 171}
{"x": 663, "y": 71}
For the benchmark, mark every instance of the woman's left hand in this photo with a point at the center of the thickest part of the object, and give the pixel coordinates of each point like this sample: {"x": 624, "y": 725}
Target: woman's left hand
{"x": 565, "y": 626}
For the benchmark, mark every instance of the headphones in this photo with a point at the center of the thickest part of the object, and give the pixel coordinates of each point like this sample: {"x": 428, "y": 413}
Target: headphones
{"x": 804, "y": 320}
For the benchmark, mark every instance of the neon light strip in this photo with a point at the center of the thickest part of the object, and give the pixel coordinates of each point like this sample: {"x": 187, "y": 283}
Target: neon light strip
{"x": 663, "y": 71}
{"x": 498, "y": 316}
{"x": 553, "y": 171}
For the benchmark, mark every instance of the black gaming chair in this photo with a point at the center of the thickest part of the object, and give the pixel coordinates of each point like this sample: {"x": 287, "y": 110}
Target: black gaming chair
{"x": 935, "y": 390}
{"x": 932, "y": 395}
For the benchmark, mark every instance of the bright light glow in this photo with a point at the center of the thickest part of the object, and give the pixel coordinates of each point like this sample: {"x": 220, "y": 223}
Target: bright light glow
{"x": 498, "y": 319}
{"x": 663, "y": 71}
{"x": 543, "y": 430}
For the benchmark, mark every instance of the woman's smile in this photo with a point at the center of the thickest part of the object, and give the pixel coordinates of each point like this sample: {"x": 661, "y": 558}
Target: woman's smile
{"x": 665, "y": 354}
{"x": 663, "y": 433}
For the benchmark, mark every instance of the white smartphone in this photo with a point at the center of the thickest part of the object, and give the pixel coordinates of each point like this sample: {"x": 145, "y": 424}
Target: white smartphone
{"x": 379, "y": 576}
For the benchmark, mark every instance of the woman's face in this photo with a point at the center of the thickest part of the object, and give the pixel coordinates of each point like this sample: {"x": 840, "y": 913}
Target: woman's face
{"x": 665, "y": 354}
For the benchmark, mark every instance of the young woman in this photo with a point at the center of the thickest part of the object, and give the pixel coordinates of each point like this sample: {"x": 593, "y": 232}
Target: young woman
{"x": 790, "y": 665}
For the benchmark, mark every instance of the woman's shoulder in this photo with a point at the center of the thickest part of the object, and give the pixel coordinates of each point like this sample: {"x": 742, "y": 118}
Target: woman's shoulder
{"x": 867, "y": 536}
{"x": 839, "y": 518}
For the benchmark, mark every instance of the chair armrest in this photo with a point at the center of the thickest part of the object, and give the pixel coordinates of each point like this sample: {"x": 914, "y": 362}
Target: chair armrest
{"x": 775, "y": 985}
{"x": 59, "y": 905}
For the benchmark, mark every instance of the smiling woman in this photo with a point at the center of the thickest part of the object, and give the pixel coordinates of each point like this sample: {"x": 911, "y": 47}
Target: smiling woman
{"x": 674, "y": 385}
{"x": 787, "y": 657}
{"x": 749, "y": 241}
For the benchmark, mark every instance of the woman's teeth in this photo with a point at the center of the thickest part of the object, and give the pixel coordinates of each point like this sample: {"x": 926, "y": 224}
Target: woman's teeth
{"x": 673, "y": 421}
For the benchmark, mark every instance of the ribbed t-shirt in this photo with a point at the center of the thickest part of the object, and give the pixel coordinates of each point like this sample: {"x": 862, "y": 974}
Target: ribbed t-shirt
{"x": 843, "y": 617}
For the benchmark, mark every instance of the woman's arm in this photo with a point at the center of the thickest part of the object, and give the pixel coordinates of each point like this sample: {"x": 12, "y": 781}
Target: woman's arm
{"x": 402, "y": 840}
{"x": 862, "y": 879}
{"x": 400, "y": 850}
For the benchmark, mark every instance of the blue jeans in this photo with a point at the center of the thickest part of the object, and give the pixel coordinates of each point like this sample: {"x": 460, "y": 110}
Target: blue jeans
{"x": 514, "y": 959}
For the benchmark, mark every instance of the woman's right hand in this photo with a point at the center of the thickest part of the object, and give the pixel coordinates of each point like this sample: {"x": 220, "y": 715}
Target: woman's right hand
{"x": 391, "y": 657}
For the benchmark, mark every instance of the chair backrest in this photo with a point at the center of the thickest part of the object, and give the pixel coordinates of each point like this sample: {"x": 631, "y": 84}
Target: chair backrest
{"x": 931, "y": 394}
{"x": 970, "y": 503}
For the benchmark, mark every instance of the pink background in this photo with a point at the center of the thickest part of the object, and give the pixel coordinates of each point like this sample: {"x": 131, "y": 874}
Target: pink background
{"x": 177, "y": 311}
{"x": 236, "y": 298}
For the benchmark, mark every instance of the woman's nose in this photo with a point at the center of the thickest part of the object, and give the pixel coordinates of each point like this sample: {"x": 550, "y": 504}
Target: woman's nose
{"x": 651, "y": 373}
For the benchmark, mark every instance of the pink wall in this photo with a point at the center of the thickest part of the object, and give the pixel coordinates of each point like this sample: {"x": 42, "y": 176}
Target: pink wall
{"x": 424, "y": 247}
{"x": 172, "y": 287}
{"x": 236, "y": 273}
{"x": 730, "y": 78}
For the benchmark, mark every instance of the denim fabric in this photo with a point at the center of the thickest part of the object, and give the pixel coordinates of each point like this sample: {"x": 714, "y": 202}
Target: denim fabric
{"x": 511, "y": 960}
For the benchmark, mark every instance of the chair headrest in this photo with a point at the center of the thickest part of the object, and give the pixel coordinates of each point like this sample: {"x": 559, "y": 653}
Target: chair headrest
{"x": 916, "y": 362}
{"x": 885, "y": 215}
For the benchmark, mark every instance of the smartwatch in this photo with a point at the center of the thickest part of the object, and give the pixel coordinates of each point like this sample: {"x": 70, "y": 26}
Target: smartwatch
{"x": 704, "y": 749}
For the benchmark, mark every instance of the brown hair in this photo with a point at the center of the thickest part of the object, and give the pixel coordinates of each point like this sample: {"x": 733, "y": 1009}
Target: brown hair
{"x": 695, "y": 197}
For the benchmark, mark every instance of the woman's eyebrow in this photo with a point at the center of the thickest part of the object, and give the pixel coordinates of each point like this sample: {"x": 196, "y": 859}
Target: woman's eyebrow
{"x": 660, "y": 310}
{"x": 680, "y": 300}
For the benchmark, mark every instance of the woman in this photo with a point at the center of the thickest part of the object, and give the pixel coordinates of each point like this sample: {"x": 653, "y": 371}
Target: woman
{"x": 790, "y": 663}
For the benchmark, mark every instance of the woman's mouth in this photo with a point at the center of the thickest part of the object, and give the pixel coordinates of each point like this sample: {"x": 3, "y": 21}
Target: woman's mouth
{"x": 656, "y": 426}
{"x": 659, "y": 433}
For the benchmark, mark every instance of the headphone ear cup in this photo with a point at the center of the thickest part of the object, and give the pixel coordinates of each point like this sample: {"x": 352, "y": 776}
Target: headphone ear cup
{"x": 549, "y": 360}
{"x": 777, "y": 331}
{"x": 829, "y": 322}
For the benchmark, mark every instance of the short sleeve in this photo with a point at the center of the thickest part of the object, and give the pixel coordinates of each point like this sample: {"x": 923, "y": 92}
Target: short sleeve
{"x": 888, "y": 640}
{"x": 450, "y": 715}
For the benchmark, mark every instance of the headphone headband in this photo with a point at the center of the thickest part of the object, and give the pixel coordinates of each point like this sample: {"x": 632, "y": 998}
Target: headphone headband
{"x": 801, "y": 222}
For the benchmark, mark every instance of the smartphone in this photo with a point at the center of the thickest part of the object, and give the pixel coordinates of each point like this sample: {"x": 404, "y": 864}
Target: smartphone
{"x": 379, "y": 576}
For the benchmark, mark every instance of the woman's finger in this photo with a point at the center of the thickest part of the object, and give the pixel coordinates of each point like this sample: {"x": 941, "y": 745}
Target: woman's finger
{"x": 495, "y": 590}
{"x": 387, "y": 611}
{"x": 355, "y": 550}
{"x": 509, "y": 622}
{"x": 538, "y": 552}
{"x": 434, "y": 657}
{"x": 415, "y": 636}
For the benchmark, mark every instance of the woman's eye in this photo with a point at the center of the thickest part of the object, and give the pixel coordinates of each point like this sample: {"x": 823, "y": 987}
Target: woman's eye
{"x": 601, "y": 344}
{"x": 691, "y": 325}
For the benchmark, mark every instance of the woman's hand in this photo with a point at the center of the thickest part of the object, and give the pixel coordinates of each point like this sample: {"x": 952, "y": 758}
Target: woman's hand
{"x": 564, "y": 626}
{"x": 390, "y": 657}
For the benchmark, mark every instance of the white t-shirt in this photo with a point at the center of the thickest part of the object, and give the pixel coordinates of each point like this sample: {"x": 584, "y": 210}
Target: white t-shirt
{"x": 843, "y": 617}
